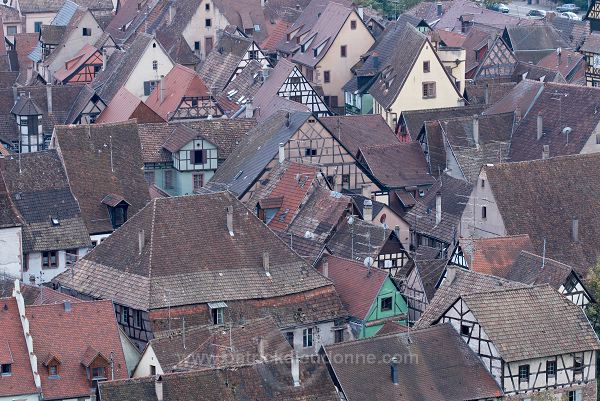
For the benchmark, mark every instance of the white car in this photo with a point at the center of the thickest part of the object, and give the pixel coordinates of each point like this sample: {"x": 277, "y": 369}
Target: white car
{"x": 570, "y": 15}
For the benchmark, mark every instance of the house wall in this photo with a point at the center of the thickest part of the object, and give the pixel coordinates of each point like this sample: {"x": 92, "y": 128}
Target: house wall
{"x": 449, "y": 57}
{"x": 10, "y": 257}
{"x": 357, "y": 43}
{"x": 143, "y": 70}
{"x": 45, "y": 275}
{"x": 132, "y": 354}
{"x": 196, "y": 31}
{"x": 32, "y": 18}
{"x": 592, "y": 145}
{"x": 297, "y": 87}
{"x": 16, "y": 24}
{"x": 392, "y": 220}
{"x": 472, "y": 225}
{"x": 411, "y": 94}
{"x": 578, "y": 295}
{"x": 585, "y": 391}
{"x": 21, "y": 397}
{"x": 414, "y": 292}
{"x": 148, "y": 358}
{"x": 399, "y": 308}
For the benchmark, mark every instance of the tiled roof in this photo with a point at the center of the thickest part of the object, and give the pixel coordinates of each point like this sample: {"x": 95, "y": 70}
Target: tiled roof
{"x": 12, "y": 345}
{"x": 477, "y": 38}
{"x": 535, "y": 72}
{"x": 533, "y": 322}
{"x": 103, "y": 159}
{"x": 70, "y": 334}
{"x": 397, "y": 166}
{"x": 573, "y": 32}
{"x": 71, "y": 25}
{"x": 40, "y": 191}
{"x": 591, "y": 44}
{"x": 52, "y": 34}
{"x": 179, "y": 50}
{"x": 447, "y": 368}
{"x": 415, "y": 119}
{"x": 567, "y": 64}
{"x": 9, "y": 14}
{"x": 72, "y": 65}
{"x": 358, "y": 240}
{"x": 357, "y": 285}
{"x": 391, "y": 327}
{"x": 534, "y": 269}
{"x": 495, "y": 255}
{"x": 521, "y": 97}
{"x": 125, "y": 106}
{"x": 271, "y": 381}
{"x": 272, "y": 84}
{"x": 450, "y": 20}
{"x": 459, "y": 282}
{"x": 230, "y": 270}
{"x": 560, "y": 106}
{"x": 476, "y": 92}
{"x": 42, "y": 6}
{"x": 245, "y": 85}
{"x": 451, "y": 39}
{"x": 533, "y": 42}
{"x": 559, "y": 190}
{"x": 276, "y": 35}
{"x": 350, "y": 131}
{"x": 427, "y": 10}
{"x": 245, "y": 14}
{"x": 24, "y": 44}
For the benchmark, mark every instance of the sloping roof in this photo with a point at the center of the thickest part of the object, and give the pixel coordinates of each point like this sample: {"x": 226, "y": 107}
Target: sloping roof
{"x": 42, "y": 6}
{"x": 256, "y": 150}
{"x": 521, "y": 97}
{"x": 272, "y": 84}
{"x": 350, "y": 131}
{"x": 26, "y": 106}
{"x": 230, "y": 270}
{"x": 573, "y": 32}
{"x": 534, "y": 269}
{"x": 496, "y": 255}
{"x": 559, "y": 190}
{"x": 475, "y": 92}
{"x": 451, "y": 19}
{"x": 592, "y": 43}
{"x": 271, "y": 381}
{"x": 357, "y": 285}
{"x": 276, "y": 35}
{"x": 69, "y": 334}
{"x": 72, "y": 65}
{"x": 566, "y": 64}
{"x": 103, "y": 159}
{"x": 24, "y": 45}
{"x": 358, "y": 240}
{"x": 414, "y": 119}
{"x": 446, "y": 368}
{"x": 245, "y": 85}
{"x": 52, "y": 34}
{"x": 125, "y": 106}
{"x": 534, "y": 322}
{"x": 533, "y": 42}
{"x": 450, "y": 39}
{"x": 397, "y": 166}
{"x": 460, "y": 282}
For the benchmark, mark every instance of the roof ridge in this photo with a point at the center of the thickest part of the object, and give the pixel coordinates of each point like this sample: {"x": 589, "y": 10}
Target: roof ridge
{"x": 150, "y": 249}
{"x": 539, "y": 161}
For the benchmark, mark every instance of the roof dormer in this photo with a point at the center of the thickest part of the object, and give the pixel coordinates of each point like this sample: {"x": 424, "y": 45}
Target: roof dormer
{"x": 96, "y": 365}
{"x": 117, "y": 209}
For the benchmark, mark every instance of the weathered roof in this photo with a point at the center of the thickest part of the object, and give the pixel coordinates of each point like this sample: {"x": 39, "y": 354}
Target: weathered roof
{"x": 495, "y": 255}
{"x": 125, "y": 106}
{"x": 451, "y": 18}
{"x": 446, "y": 367}
{"x": 475, "y": 92}
{"x": 72, "y": 65}
{"x": 559, "y": 190}
{"x": 573, "y": 32}
{"x": 245, "y": 85}
{"x": 591, "y": 44}
{"x": 521, "y": 97}
{"x": 42, "y": 6}
{"x": 531, "y": 43}
{"x": 414, "y": 119}
{"x": 52, "y": 34}
{"x": 102, "y": 159}
{"x": 535, "y": 269}
{"x": 39, "y": 190}
{"x": 570, "y": 64}
{"x": 26, "y": 106}
{"x": 358, "y": 240}
{"x": 533, "y": 322}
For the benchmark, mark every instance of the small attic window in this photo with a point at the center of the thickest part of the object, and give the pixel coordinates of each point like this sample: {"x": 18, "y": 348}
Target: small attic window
{"x": 55, "y": 222}
{"x": 154, "y": 45}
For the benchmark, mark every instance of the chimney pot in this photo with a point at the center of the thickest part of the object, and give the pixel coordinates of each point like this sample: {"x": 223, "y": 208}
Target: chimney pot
{"x": 540, "y": 126}
{"x": 249, "y": 112}
{"x": 476, "y": 130}
{"x": 230, "y": 220}
{"x": 141, "y": 240}
{"x": 296, "y": 370}
{"x": 397, "y": 231}
{"x": 394, "y": 370}
{"x": 438, "y": 208}
{"x": 261, "y": 348}
{"x": 368, "y": 210}
{"x": 49, "y": 97}
{"x": 575, "y": 229}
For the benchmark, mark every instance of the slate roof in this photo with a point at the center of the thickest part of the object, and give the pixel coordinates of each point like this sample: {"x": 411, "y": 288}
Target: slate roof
{"x": 125, "y": 106}
{"x": 357, "y": 285}
{"x": 262, "y": 381}
{"x": 495, "y": 255}
{"x": 559, "y": 189}
{"x": 103, "y": 159}
{"x": 232, "y": 270}
{"x": 475, "y": 92}
{"x": 42, "y": 6}
{"x": 178, "y": 49}
{"x": 445, "y": 369}
{"x": 272, "y": 85}
{"x": 414, "y": 119}
{"x": 459, "y": 282}
{"x": 561, "y": 106}
{"x": 39, "y": 191}
{"x": 532, "y": 43}
{"x": 534, "y": 322}
{"x": 9, "y": 216}
{"x": 350, "y": 131}
{"x": 70, "y": 335}
{"x": 256, "y": 150}
{"x": 397, "y": 166}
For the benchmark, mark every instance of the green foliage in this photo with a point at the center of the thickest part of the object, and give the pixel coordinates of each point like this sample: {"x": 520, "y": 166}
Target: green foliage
{"x": 389, "y": 8}
{"x": 593, "y": 286}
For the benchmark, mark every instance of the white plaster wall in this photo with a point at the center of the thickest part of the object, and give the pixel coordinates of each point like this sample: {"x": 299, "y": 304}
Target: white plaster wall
{"x": 25, "y": 397}
{"x": 35, "y": 266}
{"x": 10, "y": 251}
{"x": 323, "y": 334}
{"x": 143, "y": 70}
{"x": 591, "y": 146}
{"x": 148, "y": 358}
{"x": 196, "y": 31}
{"x": 98, "y": 238}
{"x": 448, "y": 57}
{"x": 32, "y": 18}
{"x": 132, "y": 355}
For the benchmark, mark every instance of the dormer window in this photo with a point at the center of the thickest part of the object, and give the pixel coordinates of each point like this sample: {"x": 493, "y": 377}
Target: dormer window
{"x": 96, "y": 365}
{"x": 117, "y": 209}
{"x": 217, "y": 310}
{"x": 52, "y": 363}
{"x": 99, "y": 373}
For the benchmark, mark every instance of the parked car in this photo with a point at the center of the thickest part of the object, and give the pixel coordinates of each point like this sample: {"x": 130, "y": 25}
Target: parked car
{"x": 568, "y": 7}
{"x": 500, "y": 7}
{"x": 536, "y": 14}
{"x": 570, "y": 15}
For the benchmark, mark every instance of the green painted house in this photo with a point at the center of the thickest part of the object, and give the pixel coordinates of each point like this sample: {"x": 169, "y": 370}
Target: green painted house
{"x": 369, "y": 295}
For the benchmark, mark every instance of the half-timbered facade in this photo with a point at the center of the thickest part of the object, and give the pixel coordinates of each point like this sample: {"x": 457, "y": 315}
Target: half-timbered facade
{"x": 298, "y": 89}
{"x": 591, "y": 52}
{"x": 499, "y": 62}
{"x": 82, "y": 68}
{"x": 557, "y": 346}
{"x": 593, "y": 15}
{"x": 253, "y": 52}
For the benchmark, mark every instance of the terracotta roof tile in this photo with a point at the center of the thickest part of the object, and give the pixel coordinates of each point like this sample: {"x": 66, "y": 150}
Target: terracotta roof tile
{"x": 72, "y": 65}
{"x": 496, "y": 255}
{"x": 125, "y": 106}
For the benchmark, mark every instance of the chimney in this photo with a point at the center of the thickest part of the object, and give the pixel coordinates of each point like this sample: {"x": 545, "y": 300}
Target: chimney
{"x": 67, "y": 306}
{"x": 540, "y": 126}
{"x": 486, "y": 94}
{"x": 103, "y": 59}
{"x": 261, "y": 348}
{"x": 265, "y": 261}
{"x": 296, "y": 370}
{"x": 575, "y": 230}
{"x": 394, "y": 370}
{"x": 49, "y": 97}
{"x": 249, "y": 113}
{"x": 230, "y": 220}
{"x": 158, "y": 388}
{"x": 476, "y": 130}
{"x": 361, "y": 12}
{"x": 518, "y": 115}
{"x": 170, "y": 14}
{"x": 141, "y": 241}
{"x": 440, "y": 9}
{"x": 368, "y": 210}
{"x": 438, "y": 208}
{"x": 397, "y": 231}
{"x": 546, "y": 152}
{"x": 281, "y": 153}
{"x": 162, "y": 88}
{"x": 325, "y": 268}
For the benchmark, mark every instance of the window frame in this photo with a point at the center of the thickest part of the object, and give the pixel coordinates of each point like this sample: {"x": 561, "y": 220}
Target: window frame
{"x": 47, "y": 257}
{"x": 465, "y": 330}
{"x": 307, "y": 337}
{"x": 344, "y": 51}
{"x": 195, "y": 177}
{"x": 6, "y": 369}
{"x": 9, "y": 28}
{"x": 98, "y": 369}
{"x": 155, "y": 65}
{"x": 124, "y": 319}
{"x": 53, "y": 370}
{"x": 524, "y": 373}
{"x": 389, "y": 299}
{"x": 326, "y": 76}
{"x": 208, "y": 22}
{"x": 207, "y": 7}
{"x": 289, "y": 336}
{"x": 37, "y": 26}
{"x": 86, "y": 31}
{"x": 353, "y": 24}
{"x": 426, "y": 92}
{"x": 426, "y": 66}
{"x": 484, "y": 212}
{"x": 218, "y": 316}
{"x": 551, "y": 366}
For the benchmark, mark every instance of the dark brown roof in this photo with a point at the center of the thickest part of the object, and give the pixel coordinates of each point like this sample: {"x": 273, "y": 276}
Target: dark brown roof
{"x": 570, "y": 64}
{"x": 591, "y": 44}
{"x": 535, "y": 269}
{"x": 447, "y": 369}
{"x": 125, "y": 106}
{"x": 559, "y": 189}
{"x": 358, "y": 240}
{"x": 475, "y": 92}
{"x": 232, "y": 269}
{"x": 102, "y": 159}
{"x": 573, "y": 32}
{"x": 414, "y": 119}
{"x": 520, "y": 97}
{"x": 350, "y": 131}
{"x": 531, "y": 43}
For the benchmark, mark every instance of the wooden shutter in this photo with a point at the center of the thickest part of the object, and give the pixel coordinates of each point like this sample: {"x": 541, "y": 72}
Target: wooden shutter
{"x": 432, "y": 91}
{"x": 193, "y": 156}
{"x": 146, "y": 88}
{"x": 204, "y": 156}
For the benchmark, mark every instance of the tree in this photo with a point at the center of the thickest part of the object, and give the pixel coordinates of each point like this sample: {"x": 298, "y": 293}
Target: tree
{"x": 593, "y": 286}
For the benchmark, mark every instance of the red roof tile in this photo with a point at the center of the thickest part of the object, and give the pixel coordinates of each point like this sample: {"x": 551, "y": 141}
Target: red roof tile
{"x": 125, "y": 106}
{"x": 356, "y": 285}
{"x": 451, "y": 39}
{"x": 276, "y": 35}
{"x": 75, "y": 62}
{"x": 568, "y": 61}
{"x": 495, "y": 256}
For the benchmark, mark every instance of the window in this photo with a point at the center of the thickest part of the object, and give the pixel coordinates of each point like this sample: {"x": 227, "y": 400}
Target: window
{"x": 289, "y": 336}
{"x": 6, "y": 369}
{"x": 87, "y": 31}
{"x": 207, "y": 6}
{"x": 98, "y": 373}
{"x": 208, "y": 44}
{"x": 524, "y": 373}
{"x": 52, "y": 370}
{"x": 207, "y": 23}
{"x": 346, "y": 181}
{"x": 482, "y": 183}
{"x": 333, "y": 101}
{"x": 138, "y": 318}
{"x": 169, "y": 179}
{"x": 49, "y": 260}
{"x": 426, "y": 66}
{"x": 152, "y": 370}
{"x": 338, "y": 335}
{"x": 353, "y": 24}
{"x": 310, "y": 152}
{"x": 343, "y": 51}
{"x": 428, "y": 90}
{"x": 118, "y": 215}
{"x": 326, "y": 77}
{"x": 551, "y": 368}
{"x": 154, "y": 65}
{"x": 578, "y": 364}
{"x": 386, "y": 304}
{"x": 217, "y": 315}
{"x": 576, "y": 395}
{"x": 149, "y": 176}
{"x": 197, "y": 46}
{"x": 198, "y": 181}
{"x": 37, "y": 26}
{"x": 125, "y": 315}
{"x": 149, "y": 87}
{"x": 198, "y": 156}
{"x": 307, "y": 337}
{"x": 483, "y": 212}
{"x": 256, "y": 28}
{"x": 11, "y": 30}
{"x": 465, "y": 329}
{"x": 25, "y": 262}
{"x": 253, "y": 54}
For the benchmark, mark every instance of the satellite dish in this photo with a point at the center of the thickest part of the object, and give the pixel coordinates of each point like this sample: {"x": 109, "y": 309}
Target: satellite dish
{"x": 351, "y": 220}
{"x": 368, "y": 262}
{"x": 567, "y": 130}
